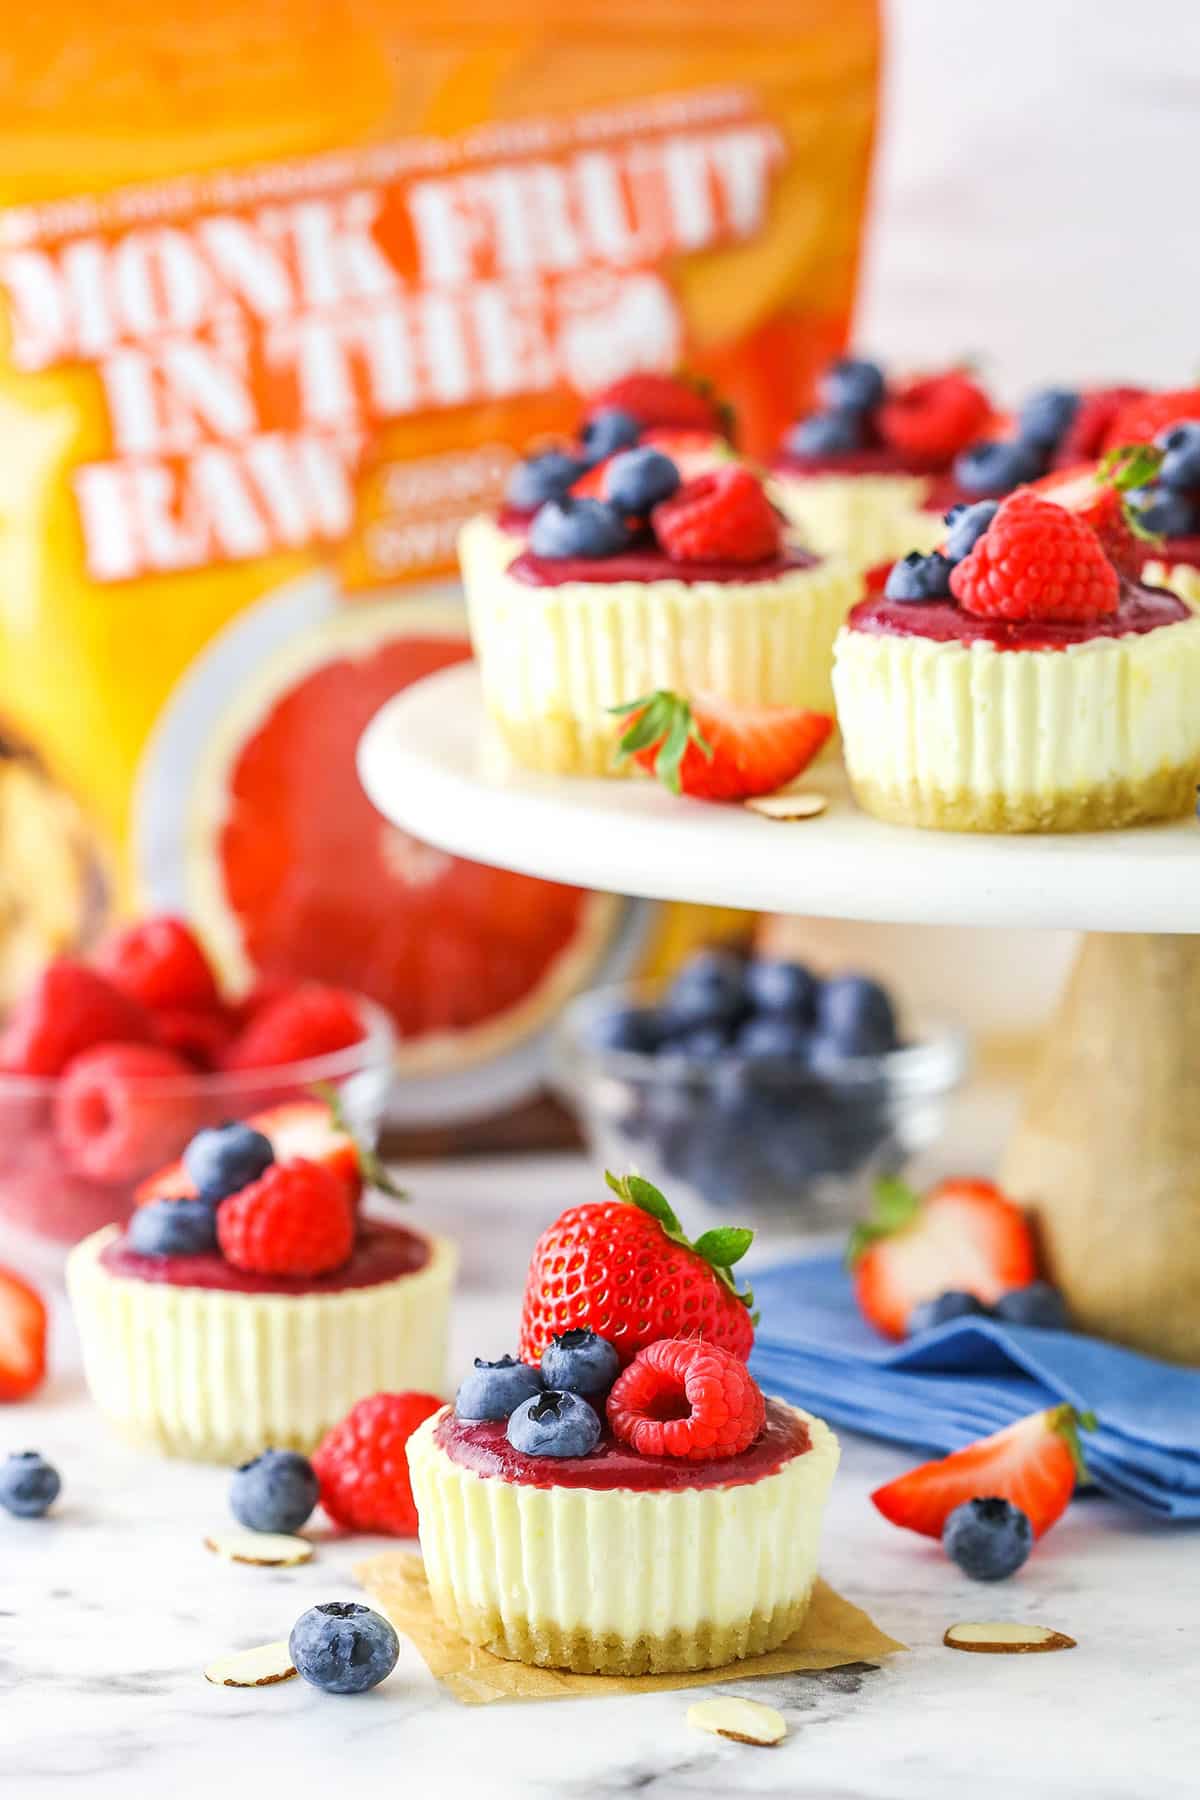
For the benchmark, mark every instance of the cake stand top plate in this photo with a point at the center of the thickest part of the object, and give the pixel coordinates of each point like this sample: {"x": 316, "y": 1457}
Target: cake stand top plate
{"x": 432, "y": 766}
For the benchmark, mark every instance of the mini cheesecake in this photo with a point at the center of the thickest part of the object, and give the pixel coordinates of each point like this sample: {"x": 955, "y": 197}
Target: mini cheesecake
{"x": 562, "y": 640}
{"x": 961, "y": 723}
{"x": 1176, "y": 565}
{"x": 616, "y": 1563}
{"x": 194, "y": 1357}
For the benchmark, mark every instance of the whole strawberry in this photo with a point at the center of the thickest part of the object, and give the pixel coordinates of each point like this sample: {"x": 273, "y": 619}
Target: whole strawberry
{"x": 362, "y": 1464}
{"x": 625, "y": 1268}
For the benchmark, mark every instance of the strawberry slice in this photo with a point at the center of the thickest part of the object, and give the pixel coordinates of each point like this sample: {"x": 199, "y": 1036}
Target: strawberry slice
{"x": 716, "y": 751}
{"x": 1034, "y": 1463}
{"x": 22, "y": 1337}
{"x": 1096, "y": 493}
{"x": 965, "y": 1235}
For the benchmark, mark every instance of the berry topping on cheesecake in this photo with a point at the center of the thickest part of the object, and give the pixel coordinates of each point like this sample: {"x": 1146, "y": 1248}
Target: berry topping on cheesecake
{"x": 682, "y": 1397}
{"x": 295, "y": 1219}
{"x": 724, "y": 516}
{"x": 868, "y": 424}
{"x": 554, "y": 1423}
{"x": 581, "y": 1361}
{"x": 493, "y": 1390}
{"x": 713, "y": 750}
{"x": 1036, "y": 560}
{"x": 680, "y": 402}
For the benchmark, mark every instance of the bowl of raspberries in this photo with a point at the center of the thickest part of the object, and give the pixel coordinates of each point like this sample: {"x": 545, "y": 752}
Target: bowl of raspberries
{"x": 765, "y": 1090}
{"x": 110, "y": 1064}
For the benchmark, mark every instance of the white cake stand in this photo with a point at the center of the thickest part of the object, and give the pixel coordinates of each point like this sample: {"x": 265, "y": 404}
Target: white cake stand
{"x": 1108, "y": 1154}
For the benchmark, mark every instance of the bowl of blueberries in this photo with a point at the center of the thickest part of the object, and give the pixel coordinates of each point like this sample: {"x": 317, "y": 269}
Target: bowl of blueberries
{"x": 757, "y": 1087}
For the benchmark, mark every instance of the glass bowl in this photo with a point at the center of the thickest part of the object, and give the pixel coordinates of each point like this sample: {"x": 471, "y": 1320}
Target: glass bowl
{"x": 42, "y": 1194}
{"x": 774, "y": 1144}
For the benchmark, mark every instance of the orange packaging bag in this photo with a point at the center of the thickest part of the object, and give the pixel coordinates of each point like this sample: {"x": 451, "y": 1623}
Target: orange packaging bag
{"x": 282, "y": 295}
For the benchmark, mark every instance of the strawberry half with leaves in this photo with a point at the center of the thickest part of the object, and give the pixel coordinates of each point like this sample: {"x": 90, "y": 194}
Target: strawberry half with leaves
{"x": 1035, "y": 1463}
{"x": 1097, "y": 494}
{"x": 964, "y": 1235}
{"x": 625, "y": 1268}
{"x": 714, "y": 750}
{"x": 22, "y": 1337}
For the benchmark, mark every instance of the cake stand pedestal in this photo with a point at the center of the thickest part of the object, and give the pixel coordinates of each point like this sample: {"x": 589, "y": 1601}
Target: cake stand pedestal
{"x": 1107, "y": 1156}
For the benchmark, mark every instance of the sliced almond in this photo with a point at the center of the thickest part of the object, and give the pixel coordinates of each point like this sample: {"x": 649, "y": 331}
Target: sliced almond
{"x": 788, "y": 806}
{"x": 1006, "y": 1637}
{"x": 266, "y": 1549}
{"x": 743, "y": 1721}
{"x": 261, "y": 1667}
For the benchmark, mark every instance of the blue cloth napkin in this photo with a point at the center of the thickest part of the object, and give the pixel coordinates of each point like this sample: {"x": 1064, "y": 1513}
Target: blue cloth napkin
{"x": 973, "y": 1376}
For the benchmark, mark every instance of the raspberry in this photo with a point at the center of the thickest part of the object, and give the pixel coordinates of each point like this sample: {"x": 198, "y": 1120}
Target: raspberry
{"x": 309, "y": 1020}
{"x": 201, "y": 1034}
{"x": 935, "y": 416}
{"x": 121, "y": 1109}
{"x": 724, "y": 516}
{"x": 1086, "y": 436}
{"x": 296, "y": 1219}
{"x": 1036, "y": 561}
{"x": 362, "y": 1467}
{"x": 1145, "y": 417}
{"x": 69, "y": 1009}
{"x": 684, "y": 1397}
{"x": 159, "y": 962}
{"x": 655, "y": 400}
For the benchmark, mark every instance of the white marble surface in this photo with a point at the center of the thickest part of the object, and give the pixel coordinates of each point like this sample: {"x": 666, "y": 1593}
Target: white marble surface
{"x": 109, "y": 1611}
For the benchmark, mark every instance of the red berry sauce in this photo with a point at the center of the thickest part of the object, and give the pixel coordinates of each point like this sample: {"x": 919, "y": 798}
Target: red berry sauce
{"x": 516, "y": 519}
{"x": 482, "y": 1446}
{"x": 1176, "y": 550}
{"x": 382, "y": 1253}
{"x": 651, "y": 565}
{"x": 875, "y": 459}
{"x": 1139, "y": 610}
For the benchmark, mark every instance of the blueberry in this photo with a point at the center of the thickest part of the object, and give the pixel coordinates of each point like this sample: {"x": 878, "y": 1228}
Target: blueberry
{"x": 826, "y": 434}
{"x": 29, "y": 1485}
{"x": 775, "y": 986}
{"x": 555, "y": 1423}
{"x": 917, "y": 577}
{"x": 773, "y": 1037}
{"x": 632, "y": 1028}
{"x": 994, "y": 466}
{"x": 580, "y": 1362}
{"x": 173, "y": 1228}
{"x": 541, "y": 478}
{"x": 988, "y": 1538}
{"x": 1181, "y": 460}
{"x": 852, "y": 384}
{"x": 1165, "y": 510}
{"x": 606, "y": 432}
{"x": 967, "y": 525}
{"x": 708, "y": 990}
{"x": 577, "y": 528}
{"x": 855, "y": 1016}
{"x": 1045, "y": 416}
{"x": 493, "y": 1389}
{"x": 1037, "y": 1304}
{"x": 275, "y": 1492}
{"x": 953, "y": 1304}
{"x": 226, "y": 1158}
{"x": 343, "y": 1648}
{"x": 638, "y": 479}
{"x": 700, "y": 1043}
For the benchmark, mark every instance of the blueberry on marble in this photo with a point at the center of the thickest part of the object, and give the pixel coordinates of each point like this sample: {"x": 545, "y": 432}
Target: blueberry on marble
{"x": 582, "y": 527}
{"x": 493, "y": 1389}
{"x": 988, "y": 1538}
{"x": 967, "y": 525}
{"x": 1036, "y": 1304}
{"x": 851, "y": 384}
{"x": 774, "y": 1037}
{"x": 226, "y": 1158}
{"x": 1165, "y": 510}
{"x": 854, "y": 1014}
{"x": 554, "y": 1423}
{"x": 1045, "y": 416}
{"x": 955, "y": 1303}
{"x": 638, "y": 479}
{"x": 274, "y": 1492}
{"x": 607, "y": 431}
{"x": 918, "y": 577}
{"x": 826, "y": 434}
{"x": 173, "y": 1228}
{"x": 547, "y": 476}
{"x": 29, "y": 1485}
{"x": 1180, "y": 466}
{"x": 343, "y": 1648}
{"x": 996, "y": 466}
{"x": 708, "y": 990}
{"x": 579, "y": 1361}
{"x": 776, "y": 986}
